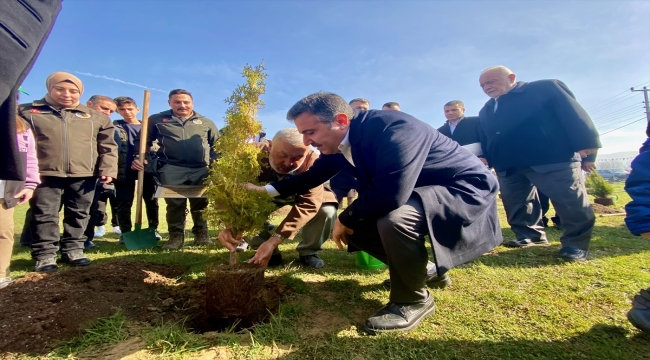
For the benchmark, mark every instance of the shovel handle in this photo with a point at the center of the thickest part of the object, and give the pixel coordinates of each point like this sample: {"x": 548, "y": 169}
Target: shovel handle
{"x": 141, "y": 152}
{"x": 233, "y": 258}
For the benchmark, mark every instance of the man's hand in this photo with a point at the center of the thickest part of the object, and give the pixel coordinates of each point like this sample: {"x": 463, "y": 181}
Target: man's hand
{"x": 586, "y": 152}
{"x": 484, "y": 161}
{"x": 264, "y": 252}
{"x": 252, "y": 187}
{"x": 24, "y": 195}
{"x": 106, "y": 179}
{"x": 339, "y": 233}
{"x": 228, "y": 241}
{"x": 588, "y": 166}
{"x": 137, "y": 165}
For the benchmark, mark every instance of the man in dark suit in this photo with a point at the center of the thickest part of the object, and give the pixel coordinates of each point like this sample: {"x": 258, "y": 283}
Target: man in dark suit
{"x": 466, "y": 131}
{"x": 413, "y": 182}
{"x": 535, "y": 135}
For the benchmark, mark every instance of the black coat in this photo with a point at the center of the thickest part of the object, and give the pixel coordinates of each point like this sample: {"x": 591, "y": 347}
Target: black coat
{"x": 26, "y": 24}
{"x": 536, "y": 123}
{"x": 467, "y": 133}
{"x": 396, "y": 155}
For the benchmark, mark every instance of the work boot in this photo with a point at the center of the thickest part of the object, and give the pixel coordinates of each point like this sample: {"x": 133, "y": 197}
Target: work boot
{"x": 639, "y": 316}
{"x": 46, "y": 265}
{"x": 75, "y": 258}
{"x": 176, "y": 241}
{"x": 201, "y": 237}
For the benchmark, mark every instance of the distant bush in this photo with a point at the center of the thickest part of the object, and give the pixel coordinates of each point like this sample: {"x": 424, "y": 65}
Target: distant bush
{"x": 598, "y": 186}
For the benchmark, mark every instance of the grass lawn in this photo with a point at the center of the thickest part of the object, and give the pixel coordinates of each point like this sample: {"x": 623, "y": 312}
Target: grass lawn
{"x": 508, "y": 304}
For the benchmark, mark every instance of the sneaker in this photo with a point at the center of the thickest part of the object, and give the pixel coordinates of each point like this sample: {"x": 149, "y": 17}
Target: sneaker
{"x": 243, "y": 246}
{"x": 176, "y": 241}
{"x": 116, "y": 230}
{"x": 75, "y": 258}
{"x": 100, "y": 231}
{"x": 88, "y": 244}
{"x": 312, "y": 261}
{"x": 399, "y": 317}
{"x": 4, "y": 282}
{"x": 158, "y": 237}
{"x": 46, "y": 265}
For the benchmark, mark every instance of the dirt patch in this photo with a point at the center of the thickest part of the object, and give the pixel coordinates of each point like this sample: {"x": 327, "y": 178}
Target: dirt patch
{"x": 323, "y": 321}
{"x": 600, "y": 209}
{"x": 194, "y": 306}
{"x": 41, "y": 309}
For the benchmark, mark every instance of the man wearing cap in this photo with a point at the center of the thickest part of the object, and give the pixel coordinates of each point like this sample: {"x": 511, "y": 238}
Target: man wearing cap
{"x": 186, "y": 140}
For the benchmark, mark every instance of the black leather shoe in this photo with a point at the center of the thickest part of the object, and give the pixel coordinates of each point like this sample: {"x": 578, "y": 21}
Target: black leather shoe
{"x": 313, "y": 261}
{"x": 639, "y": 316}
{"x": 526, "y": 242}
{"x": 76, "y": 258}
{"x": 433, "y": 281}
{"x": 573, "y": 254}
{"x": 46, "y": 265}
{"x": 399, "y": 317}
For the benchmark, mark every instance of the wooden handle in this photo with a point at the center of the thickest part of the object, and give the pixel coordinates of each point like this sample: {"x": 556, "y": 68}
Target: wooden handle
{"x": 141, "y": 152}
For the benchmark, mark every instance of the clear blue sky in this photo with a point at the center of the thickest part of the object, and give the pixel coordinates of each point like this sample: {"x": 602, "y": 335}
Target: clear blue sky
{"x": 418, "y": 53}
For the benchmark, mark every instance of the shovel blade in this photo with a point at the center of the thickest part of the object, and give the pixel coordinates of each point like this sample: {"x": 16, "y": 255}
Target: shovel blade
{"x": 140, "y": 238}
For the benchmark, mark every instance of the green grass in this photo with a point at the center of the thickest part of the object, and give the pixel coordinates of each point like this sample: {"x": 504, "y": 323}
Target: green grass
{"x": 103, "y": 331}
{"x": 508, "y": 304}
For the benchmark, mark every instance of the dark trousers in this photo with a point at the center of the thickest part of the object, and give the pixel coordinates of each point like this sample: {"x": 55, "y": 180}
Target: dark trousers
{"x": 398, "y": 239}
{"x": 178, "y": 175}
{"x": 564, "y": 186}
{"x": 125, "y": 194}
{"x": 76, "y": 195}
{"x": 545, "y": 202}
{"x": 26, "y": 235}
{"x": 102, "y": 205}
{"x": 97, "y": 212}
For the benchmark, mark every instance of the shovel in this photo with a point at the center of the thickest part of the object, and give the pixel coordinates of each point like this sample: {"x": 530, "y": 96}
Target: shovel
{"x": 141, "y": 238}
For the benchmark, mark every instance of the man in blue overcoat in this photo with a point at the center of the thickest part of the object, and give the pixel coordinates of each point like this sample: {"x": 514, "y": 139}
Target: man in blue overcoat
{"x": 413, "y": 182}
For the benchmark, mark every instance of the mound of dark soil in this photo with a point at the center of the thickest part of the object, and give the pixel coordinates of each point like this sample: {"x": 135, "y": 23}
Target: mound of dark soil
{"x": 601, "y": 209}
{"x": 41, "y": 309}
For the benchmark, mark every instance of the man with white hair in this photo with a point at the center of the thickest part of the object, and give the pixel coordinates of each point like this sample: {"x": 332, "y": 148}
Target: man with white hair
{"x": 313, "y": 211}
{"x": 535, "y": 136}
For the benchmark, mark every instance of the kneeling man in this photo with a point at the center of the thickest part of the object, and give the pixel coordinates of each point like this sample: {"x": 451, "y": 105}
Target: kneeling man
{"x": 413, "y": 182}
{"x": 313, "y": 211}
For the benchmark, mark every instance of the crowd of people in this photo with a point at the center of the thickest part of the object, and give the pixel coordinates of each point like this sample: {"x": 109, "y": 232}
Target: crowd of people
{"x": 412, "y": 183}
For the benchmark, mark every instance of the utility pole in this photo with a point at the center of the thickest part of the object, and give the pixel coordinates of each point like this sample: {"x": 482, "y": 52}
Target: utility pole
{"x": 647, "y": 107}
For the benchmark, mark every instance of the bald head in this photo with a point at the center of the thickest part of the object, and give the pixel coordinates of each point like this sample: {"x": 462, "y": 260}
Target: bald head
{"x": 497, "y": 80}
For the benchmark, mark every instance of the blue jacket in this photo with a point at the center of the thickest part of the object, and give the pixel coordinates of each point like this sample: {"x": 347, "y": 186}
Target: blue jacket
{"x": 638, "y": 186}
{"x": 395, "y": 156}
{"x": 536, "y": 123}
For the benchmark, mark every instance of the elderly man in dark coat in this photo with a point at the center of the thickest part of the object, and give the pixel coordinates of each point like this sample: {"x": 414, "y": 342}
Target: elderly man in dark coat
{"x": 535, "y": 135}
{"x": 414, "y": 182}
